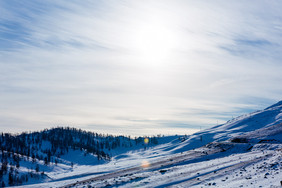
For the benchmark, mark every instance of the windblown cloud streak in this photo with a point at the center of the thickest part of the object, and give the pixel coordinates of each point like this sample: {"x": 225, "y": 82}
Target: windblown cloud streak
{"x": 137, "y": 67}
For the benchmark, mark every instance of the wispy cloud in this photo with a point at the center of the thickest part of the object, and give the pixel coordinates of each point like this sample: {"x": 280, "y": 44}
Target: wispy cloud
{"x": 128, "y": 65}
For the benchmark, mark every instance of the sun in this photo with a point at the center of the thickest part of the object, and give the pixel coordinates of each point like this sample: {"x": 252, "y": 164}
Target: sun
{"x": 153, "y": 41}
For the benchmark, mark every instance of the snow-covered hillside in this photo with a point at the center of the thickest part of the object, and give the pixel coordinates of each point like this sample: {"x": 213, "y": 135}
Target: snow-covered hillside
{"x": 262, "y": 124}
{"x": 53, "y": 153}
{"x": 244, "y": 152}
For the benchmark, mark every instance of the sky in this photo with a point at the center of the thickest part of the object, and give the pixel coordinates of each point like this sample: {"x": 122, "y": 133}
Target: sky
{"x": 137, "y": 67}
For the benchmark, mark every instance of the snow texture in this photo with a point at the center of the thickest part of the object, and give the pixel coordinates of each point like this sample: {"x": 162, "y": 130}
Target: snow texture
{"x": 244, "y": 152}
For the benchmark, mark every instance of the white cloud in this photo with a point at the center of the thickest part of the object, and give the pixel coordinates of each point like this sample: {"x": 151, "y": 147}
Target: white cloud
{"x": 98, "y": 66}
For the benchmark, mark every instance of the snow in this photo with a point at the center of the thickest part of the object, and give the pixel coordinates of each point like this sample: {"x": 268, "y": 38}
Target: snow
{"x": 207, "y": 158}
{"x": 256, "y": 168}
{"x": 75, "y": 156}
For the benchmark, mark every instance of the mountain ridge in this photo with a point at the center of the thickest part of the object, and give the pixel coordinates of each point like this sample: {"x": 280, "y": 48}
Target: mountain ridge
{"x": 62, "y": 156}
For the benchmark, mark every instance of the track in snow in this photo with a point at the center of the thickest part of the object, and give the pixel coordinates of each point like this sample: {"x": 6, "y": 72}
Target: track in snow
{"x": 168, "y": 161}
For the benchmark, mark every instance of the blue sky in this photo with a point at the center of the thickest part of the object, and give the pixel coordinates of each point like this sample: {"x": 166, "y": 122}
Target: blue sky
{"x": 137, "y": 67}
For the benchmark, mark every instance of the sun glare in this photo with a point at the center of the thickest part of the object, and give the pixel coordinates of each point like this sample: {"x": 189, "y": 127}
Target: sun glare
{"x": 154, "y": 42}
{"x": 146, "y": 140}
{"x": 145, "y": 164}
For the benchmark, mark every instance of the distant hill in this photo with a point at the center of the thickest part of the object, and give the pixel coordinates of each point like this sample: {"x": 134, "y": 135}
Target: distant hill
{"x": 260, "y": 126}
{"x": 63, "y": 153}
{"x": 62, "y": 145}
{"x": 243, "y": 152}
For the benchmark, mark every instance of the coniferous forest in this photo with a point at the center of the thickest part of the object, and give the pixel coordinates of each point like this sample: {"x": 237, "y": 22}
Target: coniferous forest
{"x": 49, "y": 145}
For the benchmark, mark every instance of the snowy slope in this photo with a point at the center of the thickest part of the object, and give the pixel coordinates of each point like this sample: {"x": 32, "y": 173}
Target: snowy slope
{"x": 211, "y": 157}
{"x": 253, "y": 169}
{"x": 250, "y": 125}
{"x": 222, "y": 163}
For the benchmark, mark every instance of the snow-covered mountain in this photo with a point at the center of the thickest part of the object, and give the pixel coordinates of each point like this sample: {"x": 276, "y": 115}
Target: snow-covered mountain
{"x": 256, "y": 126}
{"x": 245, "y": 151}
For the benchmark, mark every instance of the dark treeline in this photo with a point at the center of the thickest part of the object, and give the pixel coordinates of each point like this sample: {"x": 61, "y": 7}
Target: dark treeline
{"x": 48, "y": 145}
{"x": 61, "y": 139}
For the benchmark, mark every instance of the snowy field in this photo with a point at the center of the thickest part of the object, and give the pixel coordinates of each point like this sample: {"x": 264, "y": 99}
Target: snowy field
{"x": 244, "y": 152}
{"x": 206, "y": 166}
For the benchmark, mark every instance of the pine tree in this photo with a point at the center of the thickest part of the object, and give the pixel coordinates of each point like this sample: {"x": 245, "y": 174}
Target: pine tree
{"x": 18, "y": 164}
{"x": 46, "y": 161}
{"x": 11, "y": 178}
{"x": 37, "y": 168}
{"x": 1, "y": 173}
